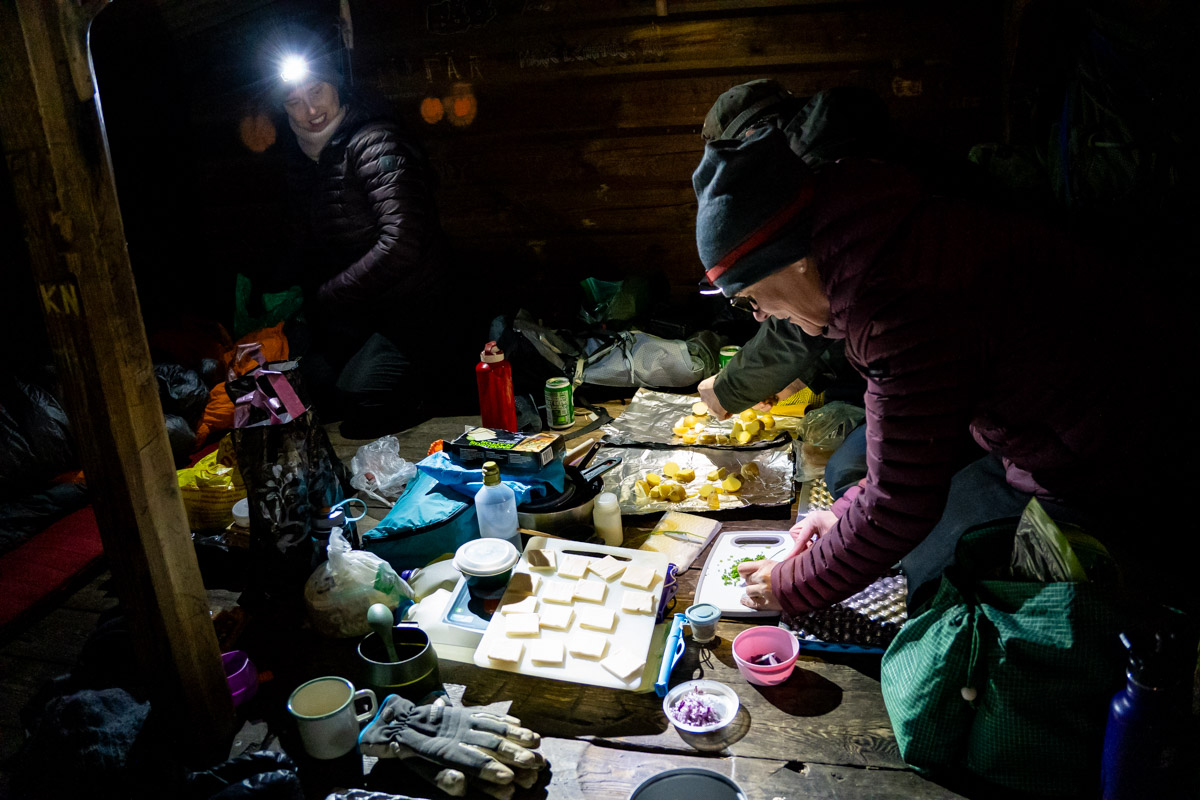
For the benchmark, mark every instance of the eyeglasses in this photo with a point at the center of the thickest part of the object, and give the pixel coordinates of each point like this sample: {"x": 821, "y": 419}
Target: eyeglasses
{"x": 743, "y": 303}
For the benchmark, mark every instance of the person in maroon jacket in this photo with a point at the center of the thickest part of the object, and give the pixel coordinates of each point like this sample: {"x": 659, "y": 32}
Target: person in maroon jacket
{"x": 367, "y": 247}
{"x": 967, "y": 323}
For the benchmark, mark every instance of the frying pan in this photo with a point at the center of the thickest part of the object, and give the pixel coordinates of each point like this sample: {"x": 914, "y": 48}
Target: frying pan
{"x": 568, "y": 513}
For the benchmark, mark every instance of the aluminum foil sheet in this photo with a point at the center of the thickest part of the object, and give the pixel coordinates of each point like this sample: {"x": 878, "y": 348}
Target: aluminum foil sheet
{"x": 650, "y": 416}
{"x": 773, "y": 486}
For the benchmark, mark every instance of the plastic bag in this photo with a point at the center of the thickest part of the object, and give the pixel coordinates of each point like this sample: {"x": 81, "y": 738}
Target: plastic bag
{"x": 823, "y": 431}
{"x": 379, "y": 470}
{"x": 340, "y": 591}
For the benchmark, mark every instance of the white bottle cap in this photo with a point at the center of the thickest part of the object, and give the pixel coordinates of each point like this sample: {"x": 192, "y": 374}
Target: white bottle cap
{"x": 606, "y": 499}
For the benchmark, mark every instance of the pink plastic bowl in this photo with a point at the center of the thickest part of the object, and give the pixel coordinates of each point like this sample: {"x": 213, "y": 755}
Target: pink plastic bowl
{"x": 766, "y": 639}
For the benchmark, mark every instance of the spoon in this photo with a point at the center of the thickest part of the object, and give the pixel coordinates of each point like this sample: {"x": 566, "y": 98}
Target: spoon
{"x": 379, "y": 617}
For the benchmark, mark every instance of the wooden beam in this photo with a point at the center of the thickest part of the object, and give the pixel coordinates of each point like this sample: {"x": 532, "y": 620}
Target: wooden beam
{"x": 55, "y": 149}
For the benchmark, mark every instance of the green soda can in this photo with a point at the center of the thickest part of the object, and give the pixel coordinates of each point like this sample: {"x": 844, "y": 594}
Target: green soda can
{"x": 728, "y": 353}
{"x": 560, "y": 404}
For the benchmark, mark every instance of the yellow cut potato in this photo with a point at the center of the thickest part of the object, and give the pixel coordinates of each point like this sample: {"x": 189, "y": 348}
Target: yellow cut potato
{"x": 722, "y": 438}
{"x": 768, "y": 422}
{"x": 737, "y": 428}
{"x": 731, "y": 484}
{"x": 643, "y": 485}
{"x": 717, "y": 474}
{"x": 747, "y": 415}
{"x": 744, "y": 437}
{"x": 689, "y": 439}
{"x": 753, "y": 427}
{"x": 670, "y": 468}
{"x": 707, "y": 489}
{"x": 700, "y": 409}
{"x": 678, "y": 494}
{"x": 714, "y": 501}
{"x": 708, "y": 438}
{"x": 690, "y": 420}
{"x": 685, "y": 475}
{"x": 656, "y": 493}
{"x": 679, "y": 430}
{"x": 653, "y": 478}
{"x": 749, "y": 470}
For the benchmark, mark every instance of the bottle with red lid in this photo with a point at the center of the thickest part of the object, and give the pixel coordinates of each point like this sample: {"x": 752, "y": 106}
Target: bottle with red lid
{"x": 493, "y": 377}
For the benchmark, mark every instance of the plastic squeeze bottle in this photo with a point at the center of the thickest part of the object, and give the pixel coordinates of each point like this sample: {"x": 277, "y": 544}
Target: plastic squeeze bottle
{"x": 493, "y": 377}
{"x": 1146, "y": 727}
{"x": 496, "y": 507}
{"x": 606, "y": 516}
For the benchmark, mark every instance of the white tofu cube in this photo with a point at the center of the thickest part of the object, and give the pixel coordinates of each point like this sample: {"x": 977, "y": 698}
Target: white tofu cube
{"x": 587, "y": 645}
{"x": 598, "y": 619}
{"x": 607, "y": 568}
{"x": 557, "y": 618}
{"x": 590, "y": 591}
{"x": 637, "y": 602}
{"x": 624, "y": 664}
{"x": 571, "y": 566}
{"x": 524, "y": 583}
{"x": 548, "y": 652}
{"x": 561, "y": 592}
{"x": 526, "y": 605}
{"x": 506, "y": 651}
{"x": 522, "y": 625}
{"x": 541, "y": 559}
{"x": 639, "y": 576}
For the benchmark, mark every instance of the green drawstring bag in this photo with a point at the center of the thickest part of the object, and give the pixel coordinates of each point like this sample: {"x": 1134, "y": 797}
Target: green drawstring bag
{"x": 1008, "y": 679}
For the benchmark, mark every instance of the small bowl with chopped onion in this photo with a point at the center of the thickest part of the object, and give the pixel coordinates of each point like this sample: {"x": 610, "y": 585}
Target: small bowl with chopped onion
{"x": 701, "y": 706}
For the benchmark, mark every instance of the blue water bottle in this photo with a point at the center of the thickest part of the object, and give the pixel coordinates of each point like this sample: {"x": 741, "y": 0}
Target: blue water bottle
{"x": 1146, "y": 725}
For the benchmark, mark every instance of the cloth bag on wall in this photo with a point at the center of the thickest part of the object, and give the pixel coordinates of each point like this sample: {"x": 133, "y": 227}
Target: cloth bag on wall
{"x": 291, "y": 473}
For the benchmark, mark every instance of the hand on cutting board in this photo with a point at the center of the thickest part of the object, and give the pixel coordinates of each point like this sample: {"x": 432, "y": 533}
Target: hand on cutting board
{"x": 806, "y": 531}
{"x": 757, "y": 575}
{"x": 454, "y": 747}
{"x": 709, "y": 397}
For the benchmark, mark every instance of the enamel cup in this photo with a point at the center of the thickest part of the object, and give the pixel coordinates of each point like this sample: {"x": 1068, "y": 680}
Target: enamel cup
{"x": 324, "y": 712}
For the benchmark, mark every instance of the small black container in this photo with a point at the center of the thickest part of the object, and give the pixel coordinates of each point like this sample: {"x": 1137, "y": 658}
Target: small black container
{"x": 688, "y": 783}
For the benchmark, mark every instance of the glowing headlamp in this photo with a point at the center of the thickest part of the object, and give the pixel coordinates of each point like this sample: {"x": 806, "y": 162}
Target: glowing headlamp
{"x": 293, "y": 69}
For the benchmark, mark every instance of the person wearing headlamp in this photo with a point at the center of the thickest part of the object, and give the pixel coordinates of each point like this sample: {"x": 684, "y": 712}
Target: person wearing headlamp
{"x": 367, "y": 248}
{"x": 966, "y": 322}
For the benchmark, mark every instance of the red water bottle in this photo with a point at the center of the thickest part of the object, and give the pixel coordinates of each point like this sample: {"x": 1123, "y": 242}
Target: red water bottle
{"x": 493, "y": 376}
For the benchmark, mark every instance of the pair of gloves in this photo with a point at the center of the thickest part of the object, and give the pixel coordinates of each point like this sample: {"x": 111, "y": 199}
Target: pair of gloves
{"x": 455, "y": 747}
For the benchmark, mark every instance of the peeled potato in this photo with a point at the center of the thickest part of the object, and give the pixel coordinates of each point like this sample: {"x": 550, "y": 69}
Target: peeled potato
{"x": 747, "y": 415}
{"x": 689, "y": 438}
{"x": 685, "y": 475}
{"x": 722, "y": 438}
{"x": 731, "y": 484}
{"x": 690, "y": 420}
{"x": 700, "y": 409}
{"x": 678, "y": 494}
{"x": 753, "y": 427}
{"x": 643, "y": 485}
{"x": 717, "y": 474}
{"x": 708, "y": 438}
{"x": 670, "y": 468}
{"x": 744, "y": 437}
{"x": 737, "y": 428}
{"x": 654, "y": 479}
{"x": 655, "y": 493}
{"x": 714, "y": 501}
{"x": 749, "y": 470}
{"x": 768, "y": 422}
{"x": 707, "y": 489}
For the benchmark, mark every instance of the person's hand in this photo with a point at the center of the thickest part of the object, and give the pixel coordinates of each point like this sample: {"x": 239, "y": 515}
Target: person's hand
{"x": 806, "y": 531}
{"x": 709, "y": 398}
{"x": 757, "y": 575}
{"x": 783, "y": 394}
{"x": 452, "y": 746}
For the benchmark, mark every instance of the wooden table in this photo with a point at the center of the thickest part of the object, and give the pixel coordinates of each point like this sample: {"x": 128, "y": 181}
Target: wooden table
{"x": 822, "y": 734}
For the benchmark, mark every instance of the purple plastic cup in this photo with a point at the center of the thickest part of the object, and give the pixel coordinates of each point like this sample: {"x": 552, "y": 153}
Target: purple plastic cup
{"x": 241, "y": 675}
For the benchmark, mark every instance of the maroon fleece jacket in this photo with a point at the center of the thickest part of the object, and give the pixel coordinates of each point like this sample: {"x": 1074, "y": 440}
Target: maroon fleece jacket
{"x": 963, "y": 319}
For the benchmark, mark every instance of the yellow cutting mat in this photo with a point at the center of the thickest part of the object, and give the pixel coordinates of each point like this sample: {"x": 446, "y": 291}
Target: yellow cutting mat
{"x": 797, "y": 404}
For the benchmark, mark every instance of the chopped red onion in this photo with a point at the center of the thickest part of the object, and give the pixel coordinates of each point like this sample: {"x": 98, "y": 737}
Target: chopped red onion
{"x": 694, "y": 708}
{"x": 765, "y": 660}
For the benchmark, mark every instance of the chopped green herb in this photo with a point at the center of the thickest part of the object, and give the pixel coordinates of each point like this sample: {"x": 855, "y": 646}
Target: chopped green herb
{"x": 730, "y": 576}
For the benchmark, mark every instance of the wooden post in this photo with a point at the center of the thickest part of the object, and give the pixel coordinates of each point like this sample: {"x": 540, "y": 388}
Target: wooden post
{"x": 55, "y": 149}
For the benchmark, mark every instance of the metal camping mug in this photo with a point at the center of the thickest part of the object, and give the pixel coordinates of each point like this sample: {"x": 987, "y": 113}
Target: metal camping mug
{"x": 413, "y": 677}
{"x": 325, "y": 715}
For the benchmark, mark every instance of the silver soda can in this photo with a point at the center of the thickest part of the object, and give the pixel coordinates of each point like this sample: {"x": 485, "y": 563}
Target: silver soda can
{"x": 560, "y": 404}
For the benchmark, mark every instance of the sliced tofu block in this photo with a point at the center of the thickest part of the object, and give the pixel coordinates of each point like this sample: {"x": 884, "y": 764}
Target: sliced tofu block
{"x": 598, "y": 619}
{"x": 506, "y": 651}
{"x": 522, "y": 625}
{"x": 607, "y": 568}
{"x": 639, "y": 576}
{"x": 624, "y": 664}
{"x": 548, "y": 652}
{"x": 570, "y": 566}
{"x": 524, "y": 583}
{"x": 637, "y": 602}
{"x": 527, "y": 605}
{"x": 557, "y": 618}
{"x": 587, "y": 645}
{"x": 562, "y": 592}
{"x": 591, "y": 591}
{"x": 543, "y": 560}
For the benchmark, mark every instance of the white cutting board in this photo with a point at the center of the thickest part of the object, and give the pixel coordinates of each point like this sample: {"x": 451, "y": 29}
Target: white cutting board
{"x": 730, "y": 547}
{"x": 633, "y": 632}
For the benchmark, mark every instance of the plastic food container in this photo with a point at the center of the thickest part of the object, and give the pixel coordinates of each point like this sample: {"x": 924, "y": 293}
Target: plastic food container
{"x": 486, "y": 564}
{"x": 723, "y": 699}
{"x": 691, "y": 782}
{"x": 241, "y": 674}
{"x": 766, "y": 639}
{"x": 241, "y": 513}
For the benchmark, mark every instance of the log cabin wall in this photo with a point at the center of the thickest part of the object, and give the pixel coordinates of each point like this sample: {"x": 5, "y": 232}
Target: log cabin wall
{"x": 565, "y": 131}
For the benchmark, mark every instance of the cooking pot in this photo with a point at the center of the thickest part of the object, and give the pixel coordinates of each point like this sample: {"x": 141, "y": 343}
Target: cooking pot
{"x": 568, "y": 513}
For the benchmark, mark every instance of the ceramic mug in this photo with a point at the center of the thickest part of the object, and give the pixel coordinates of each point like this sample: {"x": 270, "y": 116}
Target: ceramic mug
{"x": 324, "y": 712}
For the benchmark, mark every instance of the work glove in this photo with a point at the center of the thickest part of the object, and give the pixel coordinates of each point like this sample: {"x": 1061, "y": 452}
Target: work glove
{"x": 452, "y": 746}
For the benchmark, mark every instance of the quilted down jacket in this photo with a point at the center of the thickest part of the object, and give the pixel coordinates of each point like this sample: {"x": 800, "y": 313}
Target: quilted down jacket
{"x": 961, "y": 318}
{"x": 367, "y": 226}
